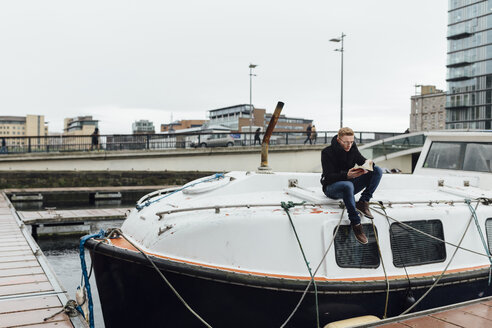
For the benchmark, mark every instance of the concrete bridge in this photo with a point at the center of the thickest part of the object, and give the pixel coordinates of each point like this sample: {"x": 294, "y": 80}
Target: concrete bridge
{"x": 396, "y": 152}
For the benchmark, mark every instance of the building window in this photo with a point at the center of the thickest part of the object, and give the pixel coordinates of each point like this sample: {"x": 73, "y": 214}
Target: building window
{"x": 410, "y": 247}
{"x": 351, "y": 254}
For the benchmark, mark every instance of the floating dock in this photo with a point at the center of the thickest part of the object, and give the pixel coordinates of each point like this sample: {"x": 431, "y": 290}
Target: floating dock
{"x": 470, "y": 314}
{"x": 83, "y": 189}
{"x": 29, "y": 290}
{"x": 71, "y": 216}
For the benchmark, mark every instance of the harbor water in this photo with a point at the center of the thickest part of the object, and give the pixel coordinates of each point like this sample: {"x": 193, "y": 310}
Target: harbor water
{"x": 62, "y": 253}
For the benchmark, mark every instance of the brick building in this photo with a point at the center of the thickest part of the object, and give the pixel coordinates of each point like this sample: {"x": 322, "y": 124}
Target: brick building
{"x": 428, "y": 109}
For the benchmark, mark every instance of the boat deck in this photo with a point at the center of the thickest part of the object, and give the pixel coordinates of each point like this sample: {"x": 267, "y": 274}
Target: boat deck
{"x": 29, "y": 291}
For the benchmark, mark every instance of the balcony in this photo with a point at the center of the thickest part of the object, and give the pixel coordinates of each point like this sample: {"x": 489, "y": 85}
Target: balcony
{"x": 458, "y": 104}
{"x": 460, "y": 35}
{"x": 458, "y": 78}
{"x": 459, "y": 63}
{"x": 460, "y": 74}
{"x": 459, "y": 32}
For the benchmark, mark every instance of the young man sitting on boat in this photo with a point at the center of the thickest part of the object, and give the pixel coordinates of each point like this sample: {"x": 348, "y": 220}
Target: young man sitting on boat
{"x": 341, "y": 180}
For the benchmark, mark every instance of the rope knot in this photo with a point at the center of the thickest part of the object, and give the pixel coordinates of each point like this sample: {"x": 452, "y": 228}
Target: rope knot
{"x": 290, "y": 204}
{"x": 113, "y": 233}
{"x": 70, "y": 309}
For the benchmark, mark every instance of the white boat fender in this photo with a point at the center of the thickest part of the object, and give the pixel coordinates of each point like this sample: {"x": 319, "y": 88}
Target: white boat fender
{"x": 353, "y": 322}
{"x": 81, "y": 298}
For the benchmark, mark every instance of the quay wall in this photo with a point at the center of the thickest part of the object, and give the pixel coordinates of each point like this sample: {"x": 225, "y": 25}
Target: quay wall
{"x": 57, "y": 179}
{"x": 281, "y": 158}
{"x": 144, "y": 168}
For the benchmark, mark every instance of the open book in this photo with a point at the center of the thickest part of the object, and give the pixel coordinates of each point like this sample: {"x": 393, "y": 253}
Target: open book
{"x": 368, "y": 165}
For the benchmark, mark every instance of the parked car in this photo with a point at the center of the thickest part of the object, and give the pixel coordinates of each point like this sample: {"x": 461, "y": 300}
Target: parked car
{"x": 214, "y": 140}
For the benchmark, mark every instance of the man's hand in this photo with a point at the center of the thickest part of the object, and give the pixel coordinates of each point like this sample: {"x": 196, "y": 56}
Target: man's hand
{"x": 355, "y": 173}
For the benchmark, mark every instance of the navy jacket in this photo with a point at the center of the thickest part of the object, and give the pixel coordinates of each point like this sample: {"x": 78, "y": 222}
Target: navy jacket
{"x": 337, "y": 162}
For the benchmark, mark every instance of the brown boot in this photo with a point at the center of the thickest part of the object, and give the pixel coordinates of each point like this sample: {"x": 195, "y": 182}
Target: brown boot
{"x": 363, "y": 208}
{"x": 359, "y": 234}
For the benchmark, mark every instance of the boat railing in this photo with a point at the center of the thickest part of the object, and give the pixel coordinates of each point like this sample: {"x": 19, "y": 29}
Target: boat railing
{"x": 217, "y": 208}
{"x": 157, "y": 193}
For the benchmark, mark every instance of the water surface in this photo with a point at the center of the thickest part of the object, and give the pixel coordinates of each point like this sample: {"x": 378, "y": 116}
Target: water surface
{"x": 62, "y": 253}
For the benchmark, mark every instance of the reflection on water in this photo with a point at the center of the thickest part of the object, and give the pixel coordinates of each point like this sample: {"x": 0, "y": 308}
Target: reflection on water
{"x": 63, "y": 255}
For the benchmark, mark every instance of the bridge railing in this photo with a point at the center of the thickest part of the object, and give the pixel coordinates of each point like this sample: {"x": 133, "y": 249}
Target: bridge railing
{"x": 393, "y": 145}
{"x": 163, "y": 141}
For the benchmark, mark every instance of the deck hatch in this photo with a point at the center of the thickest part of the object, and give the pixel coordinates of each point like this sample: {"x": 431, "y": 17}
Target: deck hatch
{"x": 410, "y": 247}
{"x": 351, "y": 254}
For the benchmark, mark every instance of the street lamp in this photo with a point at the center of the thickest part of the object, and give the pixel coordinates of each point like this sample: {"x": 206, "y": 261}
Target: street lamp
{"x": 340, "y": 39}
{"x": 251, "y": 66}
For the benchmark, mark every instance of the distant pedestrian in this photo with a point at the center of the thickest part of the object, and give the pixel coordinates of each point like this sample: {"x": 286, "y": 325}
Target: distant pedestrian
{"x": 257, "y": 136}
{"x": 314, "y": 134}
{"x": 308, "y": 134}
{"x": 406, "y": 141}
{"x": 95, "y": 139}
{"x": 3, "y": 150}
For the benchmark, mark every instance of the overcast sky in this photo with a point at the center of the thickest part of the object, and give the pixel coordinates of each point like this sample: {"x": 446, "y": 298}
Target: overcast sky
{"x": 121, "y": 61}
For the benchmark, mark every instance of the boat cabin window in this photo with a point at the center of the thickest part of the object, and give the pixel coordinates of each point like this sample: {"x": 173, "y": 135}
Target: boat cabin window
{"x": 351, "y": 254}
{"x": 488, "y": 229}
{"x": 411, "y": 247}
{"x": 478, "y": 157}
{"x": 460, "y": 156}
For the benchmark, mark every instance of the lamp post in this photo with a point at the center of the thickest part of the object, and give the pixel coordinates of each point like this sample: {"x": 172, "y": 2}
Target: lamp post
{"x": 251, "y": 66}
{"x": 340, "y": 39}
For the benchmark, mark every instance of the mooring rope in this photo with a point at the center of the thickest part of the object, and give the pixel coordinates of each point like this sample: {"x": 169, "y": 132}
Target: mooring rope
{"x": 286, "y": 207}
{"x": 445, "y": 269}
{"x": 315, "y": 271}
{"x": 83, "y": 265}
{"x": 431, "y": 236}
{"x": 380, "y": 204}
{"x": 116, "y": 231}
{"x": 384, "y": 270}
{"x": 484, "y": 244}
{"x": 70, "y": 309}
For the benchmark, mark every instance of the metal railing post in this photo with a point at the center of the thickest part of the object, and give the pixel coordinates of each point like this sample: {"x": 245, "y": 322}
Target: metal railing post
{"x": 29, "y": 145}
{"x": 148, "y": 141}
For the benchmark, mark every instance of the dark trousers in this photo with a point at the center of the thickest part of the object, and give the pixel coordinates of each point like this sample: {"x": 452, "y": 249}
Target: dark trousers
{"x": 347, "y": 189}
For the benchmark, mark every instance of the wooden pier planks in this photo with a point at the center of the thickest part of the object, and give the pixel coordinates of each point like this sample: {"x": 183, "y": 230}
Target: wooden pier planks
{"x": 32, "y": 311}
{"x": 67, "y": 216}
{"x": 474, "y": 315}
{"x": 23, "y": 279}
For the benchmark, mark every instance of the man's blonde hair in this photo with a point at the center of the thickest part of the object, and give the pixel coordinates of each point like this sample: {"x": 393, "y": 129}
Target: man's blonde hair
{"x": 345, "y": 132}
